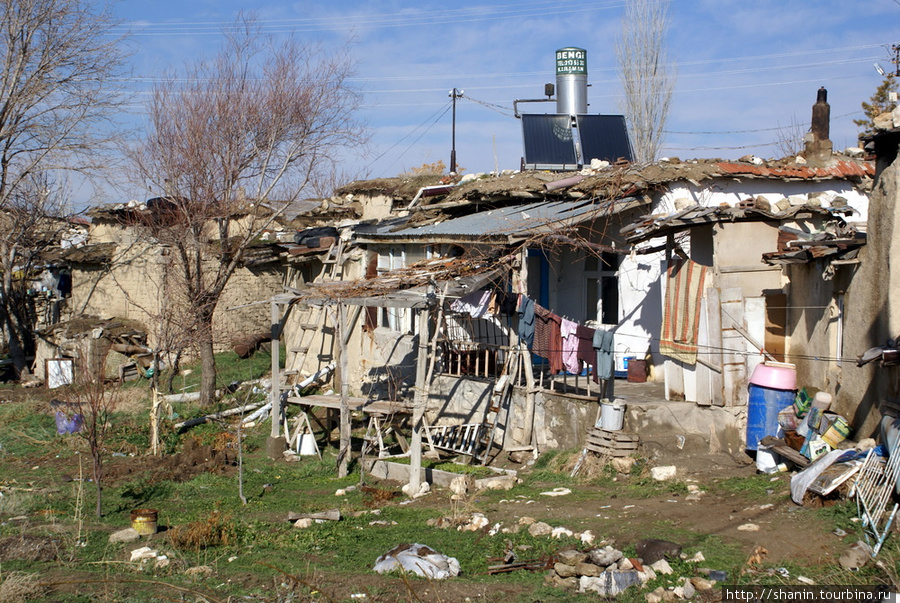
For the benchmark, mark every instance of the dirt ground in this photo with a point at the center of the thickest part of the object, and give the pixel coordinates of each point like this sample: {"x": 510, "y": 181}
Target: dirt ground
{"x": 788, "y": 533}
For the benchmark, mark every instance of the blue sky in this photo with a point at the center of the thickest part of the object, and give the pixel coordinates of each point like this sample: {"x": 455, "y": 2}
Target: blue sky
{"x": 744, "y": 69}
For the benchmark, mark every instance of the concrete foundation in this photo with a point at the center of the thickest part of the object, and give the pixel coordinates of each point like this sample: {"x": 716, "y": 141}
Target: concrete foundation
{"x": 275, "y": 447}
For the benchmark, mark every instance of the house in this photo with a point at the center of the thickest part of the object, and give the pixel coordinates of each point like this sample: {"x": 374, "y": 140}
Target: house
{"x": 590, "y": 248}
{"x": 121, "y": 271}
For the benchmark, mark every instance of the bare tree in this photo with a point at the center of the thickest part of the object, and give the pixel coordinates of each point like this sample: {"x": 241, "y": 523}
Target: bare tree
{"x": 56, "y": 61}
{"x": 95, "y": 402}
{"x": 790, "y": 137}
{"x": 647, "y": 76}
{"x": 260, "y": 121}
{"x": 28, "y": 226}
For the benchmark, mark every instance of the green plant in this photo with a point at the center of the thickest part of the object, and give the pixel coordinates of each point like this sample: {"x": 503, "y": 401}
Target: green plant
{"x": 879, "y": 103}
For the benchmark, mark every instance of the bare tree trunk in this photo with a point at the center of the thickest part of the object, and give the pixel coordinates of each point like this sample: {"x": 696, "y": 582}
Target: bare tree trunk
{"x": 648, "y": 78}
{"x": 13, "y": 304}
{"x": 97, "y": 474}
{"x": 12, "y": 329}
{"x": 175, "y": 369}
{"x": 208, "y": 366}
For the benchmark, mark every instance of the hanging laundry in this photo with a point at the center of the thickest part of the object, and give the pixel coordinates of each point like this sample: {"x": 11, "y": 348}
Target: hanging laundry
{"x": 526, "y": 320}
{"x": 604, "y": 369}
{"x": 585, "y": 351}
{"x": 508, "y": 302}
{"x": 475, "y": 304}
{"x": 493, "y": 307}
{"x": 547, "y": 341}
{"x": 568, "y": 330}
{"x": 681, "y": 312}
{"x": 604, "y": 345}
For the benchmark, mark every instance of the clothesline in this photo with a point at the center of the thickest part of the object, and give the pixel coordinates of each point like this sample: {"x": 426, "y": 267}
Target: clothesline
{"x": 564, "y": 343}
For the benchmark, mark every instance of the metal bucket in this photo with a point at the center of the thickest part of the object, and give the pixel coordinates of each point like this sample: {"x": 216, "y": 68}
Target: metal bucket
{"x": 144, "y": 521}
{"x": 307, "y": 445}
{"x": 612, "y": 416}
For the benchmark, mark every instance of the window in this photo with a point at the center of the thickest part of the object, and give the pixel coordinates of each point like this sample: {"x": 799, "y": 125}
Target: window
{"x": 395, "y": 319}
{"x": 601, "y": 300}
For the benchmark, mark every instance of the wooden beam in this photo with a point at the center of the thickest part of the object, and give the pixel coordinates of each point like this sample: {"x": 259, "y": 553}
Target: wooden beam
{"x": 275, "y": 394}
{"x": 421, "y": 398}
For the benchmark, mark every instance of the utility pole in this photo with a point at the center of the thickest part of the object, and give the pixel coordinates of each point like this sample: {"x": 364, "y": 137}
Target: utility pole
{"x": 454, "y": 94}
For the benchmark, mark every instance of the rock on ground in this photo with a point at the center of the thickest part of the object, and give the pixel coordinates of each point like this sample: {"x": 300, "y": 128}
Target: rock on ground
{"x": 652, "y": 550}
{"x": 664, "y": 473}
{"x": 126, "y": 535}
{"x": 539, "y": 528}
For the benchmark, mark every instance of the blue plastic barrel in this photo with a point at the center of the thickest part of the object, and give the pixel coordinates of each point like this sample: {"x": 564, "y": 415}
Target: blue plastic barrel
{"x": 762, "y": 412}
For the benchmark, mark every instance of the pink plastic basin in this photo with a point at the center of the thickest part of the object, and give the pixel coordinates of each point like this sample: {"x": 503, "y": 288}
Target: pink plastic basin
{"x": 775, "y": 375}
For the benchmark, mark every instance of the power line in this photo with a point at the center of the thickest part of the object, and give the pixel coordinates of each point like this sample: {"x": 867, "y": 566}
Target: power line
{"x": 362, "y": 21}
{"x": 740, "y": 352}
{"x": 776, "y": 129}
{"x": 746, "y": 146}
{"x": 413, "y": 131}
{"x": 501, "y": 109}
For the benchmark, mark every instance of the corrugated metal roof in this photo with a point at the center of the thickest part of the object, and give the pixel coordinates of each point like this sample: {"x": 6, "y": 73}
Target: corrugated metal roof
{"x": 512, "y": 222}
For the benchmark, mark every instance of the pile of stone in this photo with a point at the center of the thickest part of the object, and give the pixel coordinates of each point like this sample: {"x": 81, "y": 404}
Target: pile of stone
{"x": 605, "y": 571}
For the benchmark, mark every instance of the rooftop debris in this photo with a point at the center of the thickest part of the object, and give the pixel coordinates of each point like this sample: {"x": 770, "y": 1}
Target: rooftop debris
{"x": 414, "y": 276}
{"x": 609, "y": 182}
{"x": 652, "y": 226}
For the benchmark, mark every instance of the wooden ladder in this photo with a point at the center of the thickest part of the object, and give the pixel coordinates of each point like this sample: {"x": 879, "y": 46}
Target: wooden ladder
{"x": 312, "y": 320}
{"x": 501, "y": 398}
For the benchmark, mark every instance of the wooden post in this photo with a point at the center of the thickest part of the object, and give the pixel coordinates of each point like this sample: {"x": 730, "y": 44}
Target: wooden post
{"x": 420, "y": 400}
{"x": 154, "y": 423}
{"x": 275, "y": 393}
{"x": 343, "y": 337}
{"x": 276, "y": 443}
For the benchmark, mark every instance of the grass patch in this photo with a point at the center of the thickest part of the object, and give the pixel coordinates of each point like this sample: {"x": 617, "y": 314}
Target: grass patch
{"x": 756, "y": 487}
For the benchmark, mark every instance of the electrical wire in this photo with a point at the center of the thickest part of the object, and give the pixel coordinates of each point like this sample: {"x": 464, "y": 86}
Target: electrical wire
{"x": 447, "y": 107}
{"x": 501, "y": 109}
{"x": 737, "y": 352}
{"x": 775, "y": 129}
{"x": 375, "y": 21}
{"x": 738, "y": 148}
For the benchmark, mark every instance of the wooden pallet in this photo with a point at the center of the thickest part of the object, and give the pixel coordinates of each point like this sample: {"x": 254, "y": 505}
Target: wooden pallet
{"x": 612, "y": 443}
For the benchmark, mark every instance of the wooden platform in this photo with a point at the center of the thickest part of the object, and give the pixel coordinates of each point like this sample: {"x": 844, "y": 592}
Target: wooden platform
{"x": 612, "y": 443}
{"x": 380, "y": 407}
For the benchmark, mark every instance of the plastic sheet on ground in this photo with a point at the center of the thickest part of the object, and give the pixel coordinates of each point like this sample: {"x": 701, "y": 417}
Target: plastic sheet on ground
{"x": 417, "y": 559}
{"x": 801, "y": 481}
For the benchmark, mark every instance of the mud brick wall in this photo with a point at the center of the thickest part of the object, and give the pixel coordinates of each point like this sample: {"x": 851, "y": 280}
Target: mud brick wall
{"x": 137, "y": 288}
